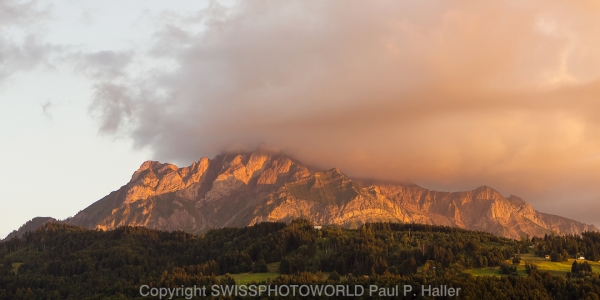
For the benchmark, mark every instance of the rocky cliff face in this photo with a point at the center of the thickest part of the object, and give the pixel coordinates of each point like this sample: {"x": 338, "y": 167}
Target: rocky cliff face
{"x": 207, "y": 194}
{"x": 247, "y": 188}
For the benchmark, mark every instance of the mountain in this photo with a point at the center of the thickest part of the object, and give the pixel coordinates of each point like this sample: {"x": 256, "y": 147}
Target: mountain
{"x": 31, "y": 225}
{"x": 239, "y": 189}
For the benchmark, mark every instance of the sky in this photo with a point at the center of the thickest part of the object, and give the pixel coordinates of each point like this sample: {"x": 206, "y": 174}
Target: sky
{"x": 448, "y": 95}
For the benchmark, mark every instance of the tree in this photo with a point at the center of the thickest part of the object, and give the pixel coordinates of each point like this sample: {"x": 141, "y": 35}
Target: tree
{"x": 260, "y": 267}
{"x": 285, "y": 266}
{"x": 530, "y": 267}
{"x": 564, "y": 255}
{"x": 575, "y": 267}
{"x": 585, "y": 267}
{"x": 334, "y": 276}
{"x": 516, "y": 260}
{"x": 507, "y": 269}
{"x": 410, "y": 266}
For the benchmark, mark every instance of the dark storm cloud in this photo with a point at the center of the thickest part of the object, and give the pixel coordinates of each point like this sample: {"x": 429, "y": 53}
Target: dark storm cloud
{"x": 450, "y": 95}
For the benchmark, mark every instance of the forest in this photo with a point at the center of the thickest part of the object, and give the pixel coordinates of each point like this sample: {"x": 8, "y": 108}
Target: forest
{"x": 60, "y": 261}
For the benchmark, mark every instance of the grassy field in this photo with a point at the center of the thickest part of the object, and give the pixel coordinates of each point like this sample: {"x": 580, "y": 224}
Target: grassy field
{"x": 15, "y": 267}
{"x": 493, "y": 271}
{"x": 555, "y": 268}
{"x": 244, "y": 278}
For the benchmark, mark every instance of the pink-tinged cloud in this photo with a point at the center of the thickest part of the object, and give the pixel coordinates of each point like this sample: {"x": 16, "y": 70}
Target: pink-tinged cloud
{"x": 449, "y": 95}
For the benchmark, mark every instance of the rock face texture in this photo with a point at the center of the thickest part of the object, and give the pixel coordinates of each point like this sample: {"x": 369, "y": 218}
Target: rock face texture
{"x": 246, "y": 188}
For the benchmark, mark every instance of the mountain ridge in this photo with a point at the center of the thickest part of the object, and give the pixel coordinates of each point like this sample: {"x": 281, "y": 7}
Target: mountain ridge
{"x": 30, "y": 225}
{"x": 245, "y": 188}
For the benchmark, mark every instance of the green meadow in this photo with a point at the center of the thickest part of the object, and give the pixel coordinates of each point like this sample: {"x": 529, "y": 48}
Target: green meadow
{"x": 555, "y": 268}
{"x": 244, "y": 278}
{"x": 14, "y": 267}
{"x": 248, "y": 277}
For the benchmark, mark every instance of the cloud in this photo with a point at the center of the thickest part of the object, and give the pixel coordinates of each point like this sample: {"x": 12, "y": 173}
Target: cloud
{"x": 18, "y": 13}
{"x": 25, "y": 55}
{"x": 450, "y": 95}
{"x": 28, "y": 50}
{"x": 113, "y": 103}
{"x": 102, "y": 65}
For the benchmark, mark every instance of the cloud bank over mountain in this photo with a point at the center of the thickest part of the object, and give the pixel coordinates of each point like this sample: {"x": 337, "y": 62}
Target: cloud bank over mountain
{"x": 450, "y": 95}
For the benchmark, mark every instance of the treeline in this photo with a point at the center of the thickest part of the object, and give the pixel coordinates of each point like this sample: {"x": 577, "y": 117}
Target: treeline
{"x": 535, "y": 286}
{"x": 380, "y": 248}
{"x": 60, "y": 261}
{"x": 561, "y": 248}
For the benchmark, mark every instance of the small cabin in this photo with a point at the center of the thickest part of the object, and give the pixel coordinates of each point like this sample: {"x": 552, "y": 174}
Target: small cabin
{"x": 318, "y": 227}
{"x": 547, "y": 256}
{"x": 581, "y": 258}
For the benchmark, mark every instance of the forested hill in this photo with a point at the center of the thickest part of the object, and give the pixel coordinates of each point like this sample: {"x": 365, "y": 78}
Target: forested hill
{"x": 60, "y": 261}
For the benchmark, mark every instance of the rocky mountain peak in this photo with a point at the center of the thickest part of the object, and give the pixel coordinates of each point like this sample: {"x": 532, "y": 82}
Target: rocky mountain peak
{"x": 149, "y": 164}
{"x": 517, "y": 200}
{"x": 335, "y": 171}
{"x": 487, "y": 193}
{"x": 242, "y": 188}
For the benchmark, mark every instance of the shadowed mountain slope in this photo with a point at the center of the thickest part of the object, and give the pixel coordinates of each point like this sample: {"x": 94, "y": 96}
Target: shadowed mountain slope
{"x": 31, "y": 225}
